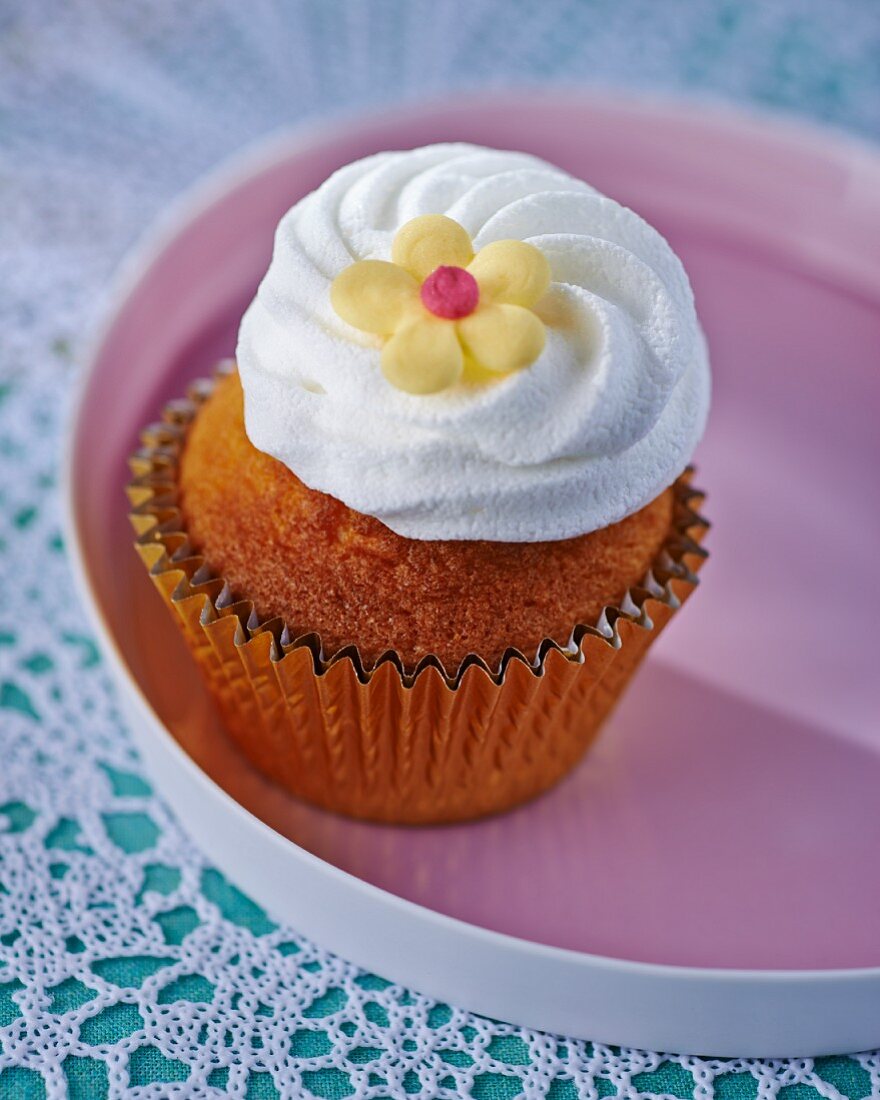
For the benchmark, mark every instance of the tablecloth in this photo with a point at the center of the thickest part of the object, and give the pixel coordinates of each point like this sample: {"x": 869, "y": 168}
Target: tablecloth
{"x": 128, "y": 965}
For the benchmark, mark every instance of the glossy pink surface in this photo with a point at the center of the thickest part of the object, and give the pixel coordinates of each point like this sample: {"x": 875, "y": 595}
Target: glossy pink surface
{"x": 450, "y": 292}
{"x": 729, "y": 814}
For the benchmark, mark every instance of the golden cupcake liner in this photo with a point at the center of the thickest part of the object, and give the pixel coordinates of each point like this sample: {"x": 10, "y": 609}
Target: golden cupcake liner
{"x": 377, "y": 741}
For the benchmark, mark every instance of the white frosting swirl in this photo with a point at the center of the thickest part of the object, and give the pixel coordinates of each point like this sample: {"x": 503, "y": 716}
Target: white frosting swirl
{"x": 603, "y": 421}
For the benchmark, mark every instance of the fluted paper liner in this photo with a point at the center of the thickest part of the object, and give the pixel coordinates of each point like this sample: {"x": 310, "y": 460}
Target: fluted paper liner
{"x": 381, "y": 742}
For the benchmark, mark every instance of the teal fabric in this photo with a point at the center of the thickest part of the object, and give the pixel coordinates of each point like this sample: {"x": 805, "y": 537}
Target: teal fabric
{"x": 128, "y": 966}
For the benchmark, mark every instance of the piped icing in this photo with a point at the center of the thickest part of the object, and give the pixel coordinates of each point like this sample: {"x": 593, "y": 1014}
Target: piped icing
{"x": 472, "y": 427}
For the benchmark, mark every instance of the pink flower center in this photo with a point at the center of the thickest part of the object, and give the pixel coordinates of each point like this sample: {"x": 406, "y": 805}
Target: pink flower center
{"x": 450, "y": 292}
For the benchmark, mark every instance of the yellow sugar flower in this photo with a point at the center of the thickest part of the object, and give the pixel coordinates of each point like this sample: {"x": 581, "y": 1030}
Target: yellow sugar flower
{"x": 443, "y": 312}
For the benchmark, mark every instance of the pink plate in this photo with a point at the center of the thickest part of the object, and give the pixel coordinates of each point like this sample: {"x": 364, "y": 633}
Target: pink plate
{"x": 728, "y": 820}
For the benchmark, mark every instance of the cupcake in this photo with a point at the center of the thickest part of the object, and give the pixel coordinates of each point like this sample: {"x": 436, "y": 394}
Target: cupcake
{"x": 422, "y": 530}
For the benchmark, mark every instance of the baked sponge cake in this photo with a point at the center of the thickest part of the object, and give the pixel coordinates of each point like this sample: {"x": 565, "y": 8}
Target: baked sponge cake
{"x": 423, "y": 530}
{"x": 301, "y": 554}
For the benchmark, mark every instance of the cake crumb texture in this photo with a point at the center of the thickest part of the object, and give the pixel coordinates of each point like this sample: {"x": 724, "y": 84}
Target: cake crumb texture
{"x": 324, "y": 568}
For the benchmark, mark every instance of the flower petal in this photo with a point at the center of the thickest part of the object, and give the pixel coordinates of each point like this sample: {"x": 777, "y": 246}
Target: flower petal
{"x": 373, "y": 295}
{"x": 476, "y": 375}
{"x": 502, "y": 337}
{"x": 429, "y": 242}
{"x": 423, "y": 356}
{"x": 511, "y": 271}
